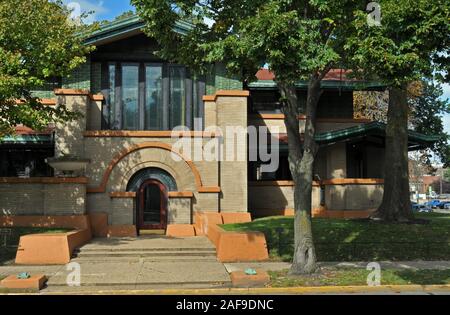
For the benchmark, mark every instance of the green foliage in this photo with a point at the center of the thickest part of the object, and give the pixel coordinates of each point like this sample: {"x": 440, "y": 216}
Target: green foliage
{"x": 428, "y": 109}
{"x": 296, "y": 38}
{"x": 447, "y": 175}
{"x": 37, "y": 42}
{"x": 410, "y": 43}
{"x": 125, "y": 15}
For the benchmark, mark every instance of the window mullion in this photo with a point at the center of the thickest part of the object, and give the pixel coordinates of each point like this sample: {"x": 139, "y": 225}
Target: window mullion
{"x": 141, "y": 102}
{"x": 118, "y": 102}
{"x": 166, "y": 98}
{"x": 188, "y": 96}
{"x": 105, "y": 88}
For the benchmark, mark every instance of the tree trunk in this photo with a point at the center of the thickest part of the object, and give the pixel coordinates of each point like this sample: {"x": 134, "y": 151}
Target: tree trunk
{"x": 396, "y": 205}
{"x": 301, "y": 164}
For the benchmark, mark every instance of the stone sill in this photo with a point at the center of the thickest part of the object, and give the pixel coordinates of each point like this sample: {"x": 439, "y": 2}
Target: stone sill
{"x": 44, "y": 180}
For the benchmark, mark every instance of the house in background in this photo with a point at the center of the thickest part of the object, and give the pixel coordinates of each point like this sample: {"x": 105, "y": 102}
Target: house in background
{"x": 131, "y": 100}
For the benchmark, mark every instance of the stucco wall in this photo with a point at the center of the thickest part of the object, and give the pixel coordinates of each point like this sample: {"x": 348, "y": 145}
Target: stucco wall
{"x": 353, "y": 197}
{"x": 276, "y": 197}
{"x": 337, "y": 197}
{"x": 42, "y": 199}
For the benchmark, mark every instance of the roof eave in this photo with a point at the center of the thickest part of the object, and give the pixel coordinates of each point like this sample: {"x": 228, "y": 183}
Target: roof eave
{"x": 126, "y": 28}
{"x": 326, "y": 84}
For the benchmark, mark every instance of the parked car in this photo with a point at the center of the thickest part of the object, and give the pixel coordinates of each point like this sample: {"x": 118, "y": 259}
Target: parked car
{"x": 447, "y": 206}
{"x": 421, "y": 208}
{"x": 433, "y": 203}
{"x": 443, "y": 204}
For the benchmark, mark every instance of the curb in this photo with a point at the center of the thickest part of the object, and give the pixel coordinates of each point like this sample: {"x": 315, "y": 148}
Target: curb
{"x": 388, "y": 289}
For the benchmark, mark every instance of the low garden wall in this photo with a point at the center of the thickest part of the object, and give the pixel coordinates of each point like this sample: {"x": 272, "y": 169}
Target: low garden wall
{"x": 42, "y": 196}
{"x": 231, "y": 246}
{"x": 50, "y": 249}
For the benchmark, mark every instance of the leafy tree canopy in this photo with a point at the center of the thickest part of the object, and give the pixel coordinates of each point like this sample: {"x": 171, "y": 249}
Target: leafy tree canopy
{"x": 412, "y": 42}
{"x": 38, "y": 41}
{"x": 296, "y": 38}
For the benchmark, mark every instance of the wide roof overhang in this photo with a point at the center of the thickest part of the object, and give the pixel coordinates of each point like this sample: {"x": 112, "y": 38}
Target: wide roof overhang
{"x": 416, "y": 140}
{"x": 117, "y": 30}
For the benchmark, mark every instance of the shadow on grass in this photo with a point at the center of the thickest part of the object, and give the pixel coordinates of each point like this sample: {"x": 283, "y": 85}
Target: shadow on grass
{"x": 359, "y": 240}
{"x": 7, "y": 255}
{"x": 425, "y": 277}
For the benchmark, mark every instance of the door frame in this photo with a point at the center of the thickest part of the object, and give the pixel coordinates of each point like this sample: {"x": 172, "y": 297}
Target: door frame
{"x": 164, "y": 206}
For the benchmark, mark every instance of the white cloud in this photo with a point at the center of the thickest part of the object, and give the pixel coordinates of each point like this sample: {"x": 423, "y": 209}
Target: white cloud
{"x": 94, "y": 6}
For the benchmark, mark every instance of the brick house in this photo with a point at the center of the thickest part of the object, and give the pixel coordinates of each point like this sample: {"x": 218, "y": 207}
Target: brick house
{"x": 131, "y": 100}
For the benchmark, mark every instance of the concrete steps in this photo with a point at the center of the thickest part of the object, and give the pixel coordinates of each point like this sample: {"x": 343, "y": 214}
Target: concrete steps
{"x": 157, "y": 254}
{"x": 135, "y": 259}
{"x": 145, "y": 263}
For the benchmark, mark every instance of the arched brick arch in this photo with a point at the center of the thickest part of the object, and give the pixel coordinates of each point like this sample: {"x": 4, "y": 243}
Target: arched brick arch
{"x": 145, "y": 145}
{"x": 143, "y": 165}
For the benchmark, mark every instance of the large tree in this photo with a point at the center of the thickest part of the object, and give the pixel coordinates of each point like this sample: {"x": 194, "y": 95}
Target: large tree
{"x": 38, "y": 42}
{"x": 410, "y": 43}
{"x": 299, "y": 40}
{"x": 426, "y": 110}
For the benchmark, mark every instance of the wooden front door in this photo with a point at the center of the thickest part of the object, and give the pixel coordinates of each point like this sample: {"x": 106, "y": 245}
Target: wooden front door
{"x": 152, "y": 210}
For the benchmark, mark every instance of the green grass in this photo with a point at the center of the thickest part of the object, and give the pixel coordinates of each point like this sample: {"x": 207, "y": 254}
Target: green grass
{"x": 359, "y": 240}
{"x": 357, "y": 276}
{"x": 8, "y": 253}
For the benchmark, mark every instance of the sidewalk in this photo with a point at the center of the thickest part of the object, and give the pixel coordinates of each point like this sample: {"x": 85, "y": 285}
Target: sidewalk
{"x": 149, "y": 277}
{"x": 277, "y": 266}
{"x": 335, "y": 290}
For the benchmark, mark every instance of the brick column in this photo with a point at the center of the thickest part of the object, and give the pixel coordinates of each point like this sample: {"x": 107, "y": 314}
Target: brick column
{"x": 231, "y": 107}
{"x": 69, "y": 139}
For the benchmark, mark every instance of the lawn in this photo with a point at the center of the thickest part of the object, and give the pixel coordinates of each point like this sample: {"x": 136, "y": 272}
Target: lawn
{"x": 358, "y": 276}
{"x": 359, "y": 240}
{"x": 8, "y": 252}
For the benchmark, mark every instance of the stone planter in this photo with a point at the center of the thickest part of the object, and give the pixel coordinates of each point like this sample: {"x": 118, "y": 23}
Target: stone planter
{"x": 68, "y": 166}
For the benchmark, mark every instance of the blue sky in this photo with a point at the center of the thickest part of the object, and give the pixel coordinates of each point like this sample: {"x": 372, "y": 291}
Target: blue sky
{"x": 103, "y": 9}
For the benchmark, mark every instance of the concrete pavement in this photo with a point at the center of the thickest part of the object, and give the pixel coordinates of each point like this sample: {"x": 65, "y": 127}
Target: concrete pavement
{"x": 137, "y": 263}
{"x": 278, "y": 266}
{"x": 334, "y": 290}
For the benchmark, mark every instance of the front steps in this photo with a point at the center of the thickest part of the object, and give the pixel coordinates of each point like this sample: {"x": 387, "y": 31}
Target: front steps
{"x": 147, "y": 254}
{"x": 145, "y": 263}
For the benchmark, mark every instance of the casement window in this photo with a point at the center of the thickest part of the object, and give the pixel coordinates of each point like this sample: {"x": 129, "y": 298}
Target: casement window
{"x": 23, "y": 161}
{"x": 150, "y": 96}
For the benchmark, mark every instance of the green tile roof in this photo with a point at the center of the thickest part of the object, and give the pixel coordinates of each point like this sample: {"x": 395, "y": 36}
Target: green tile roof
{"x": 27, "y": 139}
{"x": 132, "y": 24}
{"x": 326, "y": 84}
{"x": 371, "y": 129}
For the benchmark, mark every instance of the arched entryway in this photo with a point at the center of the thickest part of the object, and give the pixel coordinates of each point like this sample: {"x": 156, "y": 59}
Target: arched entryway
{"x": 152, "y": 186}
{"x": 152, "y": 206}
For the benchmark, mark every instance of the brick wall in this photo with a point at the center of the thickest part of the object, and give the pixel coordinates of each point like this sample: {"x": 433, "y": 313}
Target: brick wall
{"x": 42, "y": 199}
{"x": 180, "y": 211}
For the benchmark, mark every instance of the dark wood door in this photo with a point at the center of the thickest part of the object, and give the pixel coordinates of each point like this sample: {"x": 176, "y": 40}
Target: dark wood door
{"x": 153, "y": 200}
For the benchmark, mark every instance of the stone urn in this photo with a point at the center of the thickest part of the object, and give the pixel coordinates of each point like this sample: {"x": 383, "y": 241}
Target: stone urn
{"x": 68, "y": 166}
